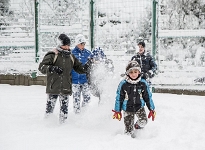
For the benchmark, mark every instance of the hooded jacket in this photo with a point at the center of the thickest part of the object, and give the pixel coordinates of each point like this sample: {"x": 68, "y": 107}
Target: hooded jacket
{"x": 82, "y": 56}
{"x": 60, "y": 84}
{"x": 132, "y": 96}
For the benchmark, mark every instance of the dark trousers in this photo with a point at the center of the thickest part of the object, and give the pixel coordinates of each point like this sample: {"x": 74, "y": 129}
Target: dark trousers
{"x": 129, "y": 118}
{"x": 51, "y": 102}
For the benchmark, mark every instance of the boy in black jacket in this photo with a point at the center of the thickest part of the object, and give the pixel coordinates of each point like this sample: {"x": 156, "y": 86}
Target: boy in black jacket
{"x": 132, "y": 93}
{"x": 146, "y": 62}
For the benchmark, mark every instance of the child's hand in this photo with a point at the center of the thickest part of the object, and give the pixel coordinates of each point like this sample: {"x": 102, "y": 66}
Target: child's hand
{"x": 152, "y": 114}
{"x": 117, "y": 115}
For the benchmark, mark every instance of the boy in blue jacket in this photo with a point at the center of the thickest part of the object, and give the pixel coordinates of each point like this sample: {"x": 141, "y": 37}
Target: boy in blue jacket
{"x": 132, "y": 94}
{"x": 79, "y": 81}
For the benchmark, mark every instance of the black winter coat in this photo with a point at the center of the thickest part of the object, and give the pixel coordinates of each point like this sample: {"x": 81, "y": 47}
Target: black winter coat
{"x": 146, "y": 62}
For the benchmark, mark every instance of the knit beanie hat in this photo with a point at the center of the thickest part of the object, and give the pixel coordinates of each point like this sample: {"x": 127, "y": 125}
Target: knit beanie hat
{"x": 63, "y": 39}
{"x": 80, "y": 39}
{"x": 132, "y": 65}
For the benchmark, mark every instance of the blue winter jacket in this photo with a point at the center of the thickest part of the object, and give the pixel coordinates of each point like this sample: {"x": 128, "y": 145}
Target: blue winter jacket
{"x": 131, "y": 97}
{"x": 82, "y": 56}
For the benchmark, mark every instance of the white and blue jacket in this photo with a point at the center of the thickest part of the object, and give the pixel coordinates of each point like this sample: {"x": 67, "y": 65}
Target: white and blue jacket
{"x": 82, "y": 56}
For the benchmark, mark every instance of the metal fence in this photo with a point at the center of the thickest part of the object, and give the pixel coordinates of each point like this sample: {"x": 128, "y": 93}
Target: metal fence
{"x": 16, "y": 33}
{"x": 30, "y": 28}
{"x": 181, "y": 41}
{"x": 119, "y": 25}
{"x": 114, "y": 25}
{"x": 59, "y": 18}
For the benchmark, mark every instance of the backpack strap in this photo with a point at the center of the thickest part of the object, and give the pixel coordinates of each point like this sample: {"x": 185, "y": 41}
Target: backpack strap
{"x": 71, "y": 57}
{"x": 56, "y": 55}
{"x": 54, "y": 60}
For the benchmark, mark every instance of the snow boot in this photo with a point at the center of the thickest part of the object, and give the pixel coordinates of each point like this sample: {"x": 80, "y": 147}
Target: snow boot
{"x": 62, "y": 118}
{"x": 136, "y": 126}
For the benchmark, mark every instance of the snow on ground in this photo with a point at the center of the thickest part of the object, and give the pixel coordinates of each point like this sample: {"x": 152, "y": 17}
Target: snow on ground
{"x": 179, "y": 123}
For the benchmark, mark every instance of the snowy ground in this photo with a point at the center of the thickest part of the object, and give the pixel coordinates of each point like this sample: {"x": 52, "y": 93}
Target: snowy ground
{"x": 179, "y": 124}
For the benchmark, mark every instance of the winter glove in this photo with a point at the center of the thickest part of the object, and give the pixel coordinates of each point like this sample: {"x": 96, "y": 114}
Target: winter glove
{"x": 88, "y": 64}
{"x": 55, "y": 69}
{"x": 117, "y": 115}
{"x": 152, "y": 114}
{"x": 144, "y": 75}
{"x": 147, "y": 75}
{"x": 150, "y": 73}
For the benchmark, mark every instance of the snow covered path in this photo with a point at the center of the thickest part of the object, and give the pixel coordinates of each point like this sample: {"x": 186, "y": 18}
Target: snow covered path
{"x": 179, "y": 124}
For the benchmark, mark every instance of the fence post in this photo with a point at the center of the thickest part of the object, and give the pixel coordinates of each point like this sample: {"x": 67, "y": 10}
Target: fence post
{"x": 36, "y": 3}
{"x": 154, "y": 3}
{"x": 92, "y": 23}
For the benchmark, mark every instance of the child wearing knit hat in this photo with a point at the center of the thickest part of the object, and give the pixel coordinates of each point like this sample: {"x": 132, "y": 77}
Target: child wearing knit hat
{"x": 132, "y": 94}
